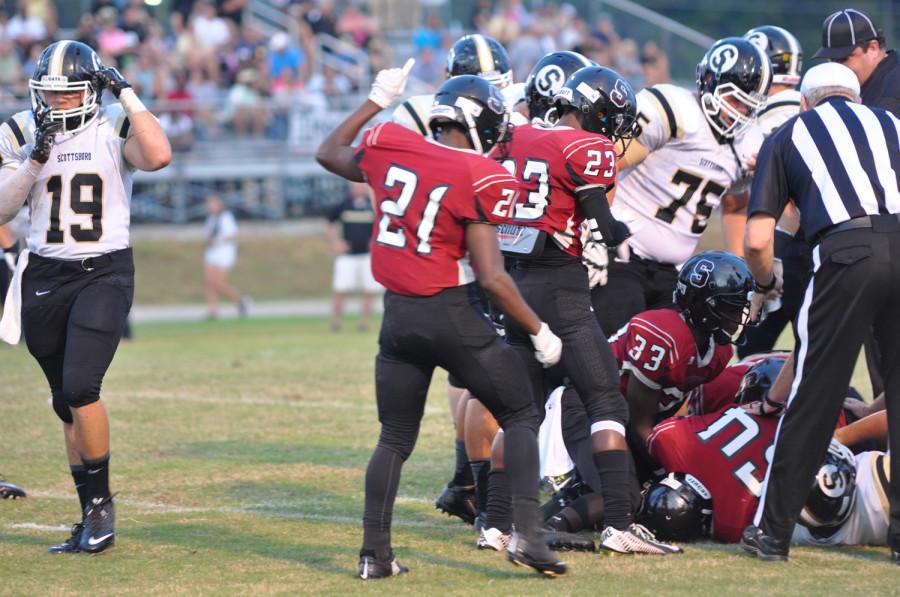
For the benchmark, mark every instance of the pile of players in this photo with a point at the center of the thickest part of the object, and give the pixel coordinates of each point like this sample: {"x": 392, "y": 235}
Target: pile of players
{"x": 696, "y": 432}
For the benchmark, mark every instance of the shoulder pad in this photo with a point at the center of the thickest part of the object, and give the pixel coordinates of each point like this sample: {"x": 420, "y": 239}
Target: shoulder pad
{"x": 673, "y": 104}
{"x": 19, "y": 129}
{"x": 413, "y": 114}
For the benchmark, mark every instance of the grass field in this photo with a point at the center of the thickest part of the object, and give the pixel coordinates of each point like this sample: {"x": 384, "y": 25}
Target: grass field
{"x": 238, "y": 453}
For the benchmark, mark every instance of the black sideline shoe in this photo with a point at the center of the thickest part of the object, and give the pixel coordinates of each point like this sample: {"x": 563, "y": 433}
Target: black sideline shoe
{"x": 372, "y": 569}
{"x": 535, "y": 555}
{"x": 764, "y": 547}
{"x": 459, "y": 501}
{"x": 99, "y": 526}
{"x": 70, "y": 545}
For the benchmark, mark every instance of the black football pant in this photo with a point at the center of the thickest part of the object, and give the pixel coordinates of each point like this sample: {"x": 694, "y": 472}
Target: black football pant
{"x": 73, "y": 313}
{"x": 795, "y": 255}
{"x": 633, "y": 288}
{"x": 560, "y": 296}
{"x": 855, "y": 286}
{"x": 446, "y": 330}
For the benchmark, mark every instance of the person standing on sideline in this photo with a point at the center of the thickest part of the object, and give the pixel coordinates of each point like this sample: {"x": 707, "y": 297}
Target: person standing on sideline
{"x": 220, "y": 256}
{"x": 72, "y": 160}
{"x": 353, "y": 264}
{"x": 839, "y": 162}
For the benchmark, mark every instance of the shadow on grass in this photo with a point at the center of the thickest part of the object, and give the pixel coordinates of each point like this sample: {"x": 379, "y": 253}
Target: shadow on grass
{"x": 861, "y": 552}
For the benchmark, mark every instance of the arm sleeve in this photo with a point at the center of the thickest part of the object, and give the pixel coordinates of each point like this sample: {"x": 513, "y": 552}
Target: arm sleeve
{"x": 17, "y": 172}
{"x": 769, "y": 193}
{"x": 595, "y": 207}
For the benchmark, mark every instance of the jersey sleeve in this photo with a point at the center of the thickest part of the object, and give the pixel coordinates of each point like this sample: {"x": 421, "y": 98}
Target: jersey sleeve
{"x": 649, "y": 352}
{"x": 373, "y": 140}
{"x": 657, "y": 117}
{"x": 13, "y": 142}
{"x": 769, "y": 193}
{"x": 590, "y": 161}
{"x": 495, "y": 192}
{"x": 413, "y": 114}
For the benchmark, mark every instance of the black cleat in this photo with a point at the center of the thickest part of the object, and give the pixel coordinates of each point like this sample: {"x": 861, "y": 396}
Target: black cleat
{"x": 8, "y": 491}
{"x": 535, "y": 555}
{"x": 766, "y": 548}
{"x": 459, "y": 501}
{"x": 372, "y": 569}
{"x": 560, "y": 541}
{"x": 70, "y": 545}
{"x": 99, "y": 526}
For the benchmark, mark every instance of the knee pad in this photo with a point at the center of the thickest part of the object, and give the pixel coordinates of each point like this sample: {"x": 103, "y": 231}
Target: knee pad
{"x": 525, "y": 417}
{"x": 400, "y": 439}
{"x": 78, "y": 390}
{"x": 613, "y": 407}
{"x": 61, "y": 408}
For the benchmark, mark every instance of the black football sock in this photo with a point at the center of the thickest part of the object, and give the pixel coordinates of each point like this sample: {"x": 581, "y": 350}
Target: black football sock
{"x": 79, "y": 476}
{"x": 634, "y": 485}
{"x": 613, "y": 468}
{"x": 463, "y": 474}
{"x": 522, "y": 466}
{"x": 499, "y": 506}
{"x": 480, "y": 469}
{"x": 96, "y": 480}
{"x": 382, "y": 481}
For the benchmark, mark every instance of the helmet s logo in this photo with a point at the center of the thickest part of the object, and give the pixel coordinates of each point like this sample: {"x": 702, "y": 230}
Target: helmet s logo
{"x": 495, "y": 104}
{"x": 723, "y": 58}
{"x": 619, "y": 94}
{"x": 549, "y": 79}
{"x": 700, "y": 274}
{"x": 831, "y": 482}
{"x": 759, "y": 40}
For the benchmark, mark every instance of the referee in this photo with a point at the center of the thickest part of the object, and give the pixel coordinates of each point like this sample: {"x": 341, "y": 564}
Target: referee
{"x": 838, "y": 161}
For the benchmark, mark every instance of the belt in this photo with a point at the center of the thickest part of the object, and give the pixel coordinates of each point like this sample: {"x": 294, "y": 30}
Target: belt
{"x": 87, "y": 264}
{"x": 885, "y": 221}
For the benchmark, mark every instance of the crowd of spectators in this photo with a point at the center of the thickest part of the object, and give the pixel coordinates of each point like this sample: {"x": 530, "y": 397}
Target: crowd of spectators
{"x": 208, "y": 72}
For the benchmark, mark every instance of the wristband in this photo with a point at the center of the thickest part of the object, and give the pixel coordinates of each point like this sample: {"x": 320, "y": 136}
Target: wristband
{"x": 131, "y": 103}
{"x": 767, "y": 288}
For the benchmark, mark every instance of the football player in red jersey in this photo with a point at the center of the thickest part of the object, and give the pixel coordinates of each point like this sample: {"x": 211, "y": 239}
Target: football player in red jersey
{"x": 570, "y": 172}
{"x": 437, "y": 199}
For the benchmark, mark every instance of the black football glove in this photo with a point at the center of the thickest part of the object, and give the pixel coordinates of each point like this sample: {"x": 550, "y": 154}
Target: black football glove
{"x": 620, "y": 233}
{"x": 43, "y": 136}
{"x": 110, "y": 78}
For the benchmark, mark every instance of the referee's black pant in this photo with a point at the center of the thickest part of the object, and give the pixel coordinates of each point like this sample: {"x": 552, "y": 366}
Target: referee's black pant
{"x": 855, "y": 286}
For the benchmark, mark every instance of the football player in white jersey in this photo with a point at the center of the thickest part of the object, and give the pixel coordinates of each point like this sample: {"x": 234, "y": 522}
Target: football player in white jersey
{"x": 786, "y": 55}
{"x": 691, "y": 149}
{"x": 72, "y": 159}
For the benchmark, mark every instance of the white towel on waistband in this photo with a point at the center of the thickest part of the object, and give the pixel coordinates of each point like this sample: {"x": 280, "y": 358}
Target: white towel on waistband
{"x": 555, "y": 458}
{"x": 11, "y": 322}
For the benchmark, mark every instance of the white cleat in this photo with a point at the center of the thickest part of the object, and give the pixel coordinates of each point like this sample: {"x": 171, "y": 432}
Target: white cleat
{"x": 493, "y": 539}
{"x": 636, "y": 539}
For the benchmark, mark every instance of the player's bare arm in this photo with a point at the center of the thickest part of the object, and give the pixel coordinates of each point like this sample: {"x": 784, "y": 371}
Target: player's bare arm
{"x": 872, "y": 427}
{"x": 643, "y": 403}
{"x": 336, "y": 153}
{"x": 734, "y": 220}
{"x": 481, "y": 241}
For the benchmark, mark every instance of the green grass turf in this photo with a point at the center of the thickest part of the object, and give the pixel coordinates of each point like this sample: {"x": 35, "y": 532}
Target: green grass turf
{"x": 239, "y": 451}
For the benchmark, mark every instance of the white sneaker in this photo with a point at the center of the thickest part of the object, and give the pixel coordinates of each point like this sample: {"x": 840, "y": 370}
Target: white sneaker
{"x": 493, "y": 539}
{"x": 636, "y": 539}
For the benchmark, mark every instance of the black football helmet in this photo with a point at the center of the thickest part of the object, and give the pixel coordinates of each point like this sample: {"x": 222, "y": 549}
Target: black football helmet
{"x": 66, "y": 66}
{"x": 677, "y": 508}
{"x": 476, "y": 106}
{"x": 547, "y": 76}
{"x": 733, "y": 70}
{"x": 758, "y": 379}
{"x": 482, "y": 56}
{"x": 713, "y": 293}
{"x": 833, "y": 492}
{"x": 604, "y": 101}
{"x": 783, "y": 50}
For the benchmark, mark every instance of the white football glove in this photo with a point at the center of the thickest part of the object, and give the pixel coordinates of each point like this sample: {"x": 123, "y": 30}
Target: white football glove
{"x": 547, "y": 346}
{"x": 390, "y": 83}
{"x": 595, "y": 256}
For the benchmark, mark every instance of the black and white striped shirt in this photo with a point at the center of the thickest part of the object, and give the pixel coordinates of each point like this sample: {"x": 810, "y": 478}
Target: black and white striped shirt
{"x": 837, "y": 162}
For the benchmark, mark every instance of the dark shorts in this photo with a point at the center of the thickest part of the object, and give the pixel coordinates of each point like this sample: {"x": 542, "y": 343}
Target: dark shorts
{"x": 73, "y": 314}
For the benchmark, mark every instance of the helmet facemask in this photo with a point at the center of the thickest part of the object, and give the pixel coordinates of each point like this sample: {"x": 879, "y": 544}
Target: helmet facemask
{"x": 715, "y": 106}
{"x": 463, "y": 113}
{"x": 731, "y": 313}
{"x": 72, "y": 119}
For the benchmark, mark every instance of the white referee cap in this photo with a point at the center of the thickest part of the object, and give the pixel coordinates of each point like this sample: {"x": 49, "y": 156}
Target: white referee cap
{"x": 829, "y": 74}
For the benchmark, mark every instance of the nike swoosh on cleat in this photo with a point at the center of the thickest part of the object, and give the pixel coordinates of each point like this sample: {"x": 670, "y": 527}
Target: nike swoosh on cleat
{"x": 96, "y": 540}
{"x": 42, "y": 292}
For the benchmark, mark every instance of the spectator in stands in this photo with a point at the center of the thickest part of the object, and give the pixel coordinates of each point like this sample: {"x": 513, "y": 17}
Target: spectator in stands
{"x": 330, "y": 83}
{"x": 179, "y": 128}
{"x": 220, "y": 257}
{"x": 430, "y": 35}
{"x": 352, "y": 266}
{"x": 251, "y": 48}
{"x": 429, "y": 67}
{"x": 482, "y": 13}
{"x": 43, "y": 11}
{"x": 87, "y": 30}
{"x": 320, "y": 18}
{"x": 285, "y": 55}
{"x": 655, "y": 64}
{"x": 232, "y": 10}
{"x": 525, "y": 51}
{"x": 211, "y": 34}
{"x": 112, "y": 41}
{"x": 135, "y": 21}
{"x": 24, "y": 29}
{"x": 357, "y": 26}
{"x": 10, "y": 68}
{"x": 244, "y": 107}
